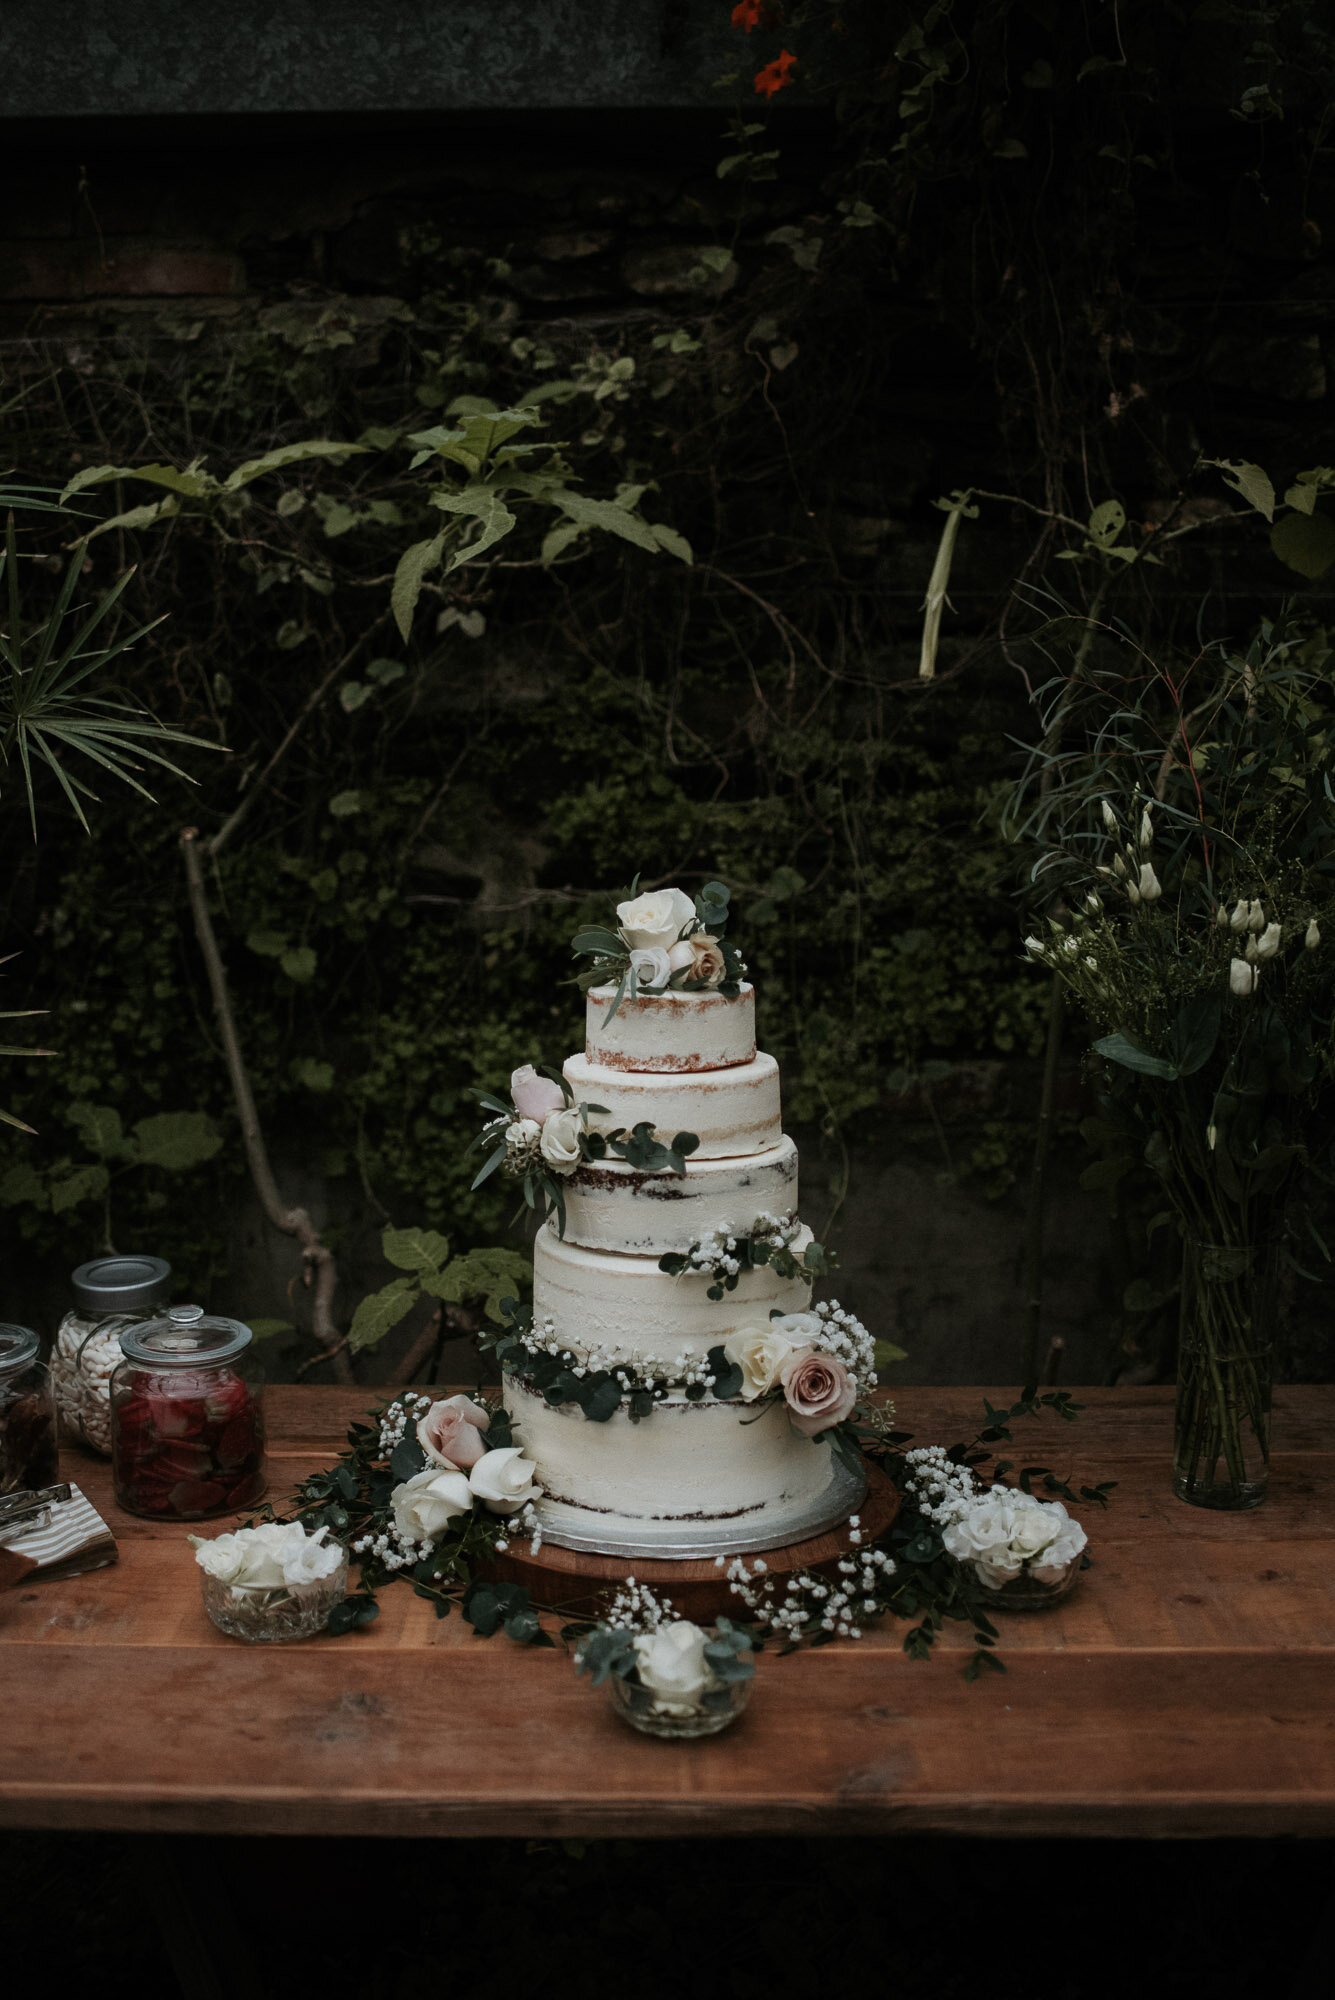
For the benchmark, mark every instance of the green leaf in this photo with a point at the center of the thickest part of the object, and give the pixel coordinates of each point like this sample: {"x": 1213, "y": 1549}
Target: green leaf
{"x": 413, "y": 566}
{"x": 669, "y": 540}
{"x": 489, "y": 1273}
{"x": 99, "y": 1126}
{"x": 344, "y": 804}
{"x": 287, "y": 454}
{"x": 266, "y": 1329}
{"x": 194, "y": 482}
{"x": 299, "y": 964}
{"x": 84, "y": 1184}
{"x": 1305, "y": 543}
{"x": 269, "y": 944}
{"x": 424, "y": 1251}
{"x": 483, "y": 504}
{"x": 607, "y": 515}
{"x": 1195, "y": 1032}
{"x": 1249, "y": 480}
{"x": 1120, "y": 1049}
{"x": 1107, "y": 522}
{"x": 177, "y": 1139}
{"x": 314, "y": 1075}
{"x": 378, "y": 1312}
{"x": 138, "y": 517}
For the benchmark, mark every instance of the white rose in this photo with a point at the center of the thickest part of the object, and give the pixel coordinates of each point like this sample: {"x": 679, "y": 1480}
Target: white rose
{"x": 760, "y": 1352}
{"x": 1269, "y": 941}
{"x": 309, "y": 1558}
{"x": 680, "y": 958}
{"x": 503, "y": 1480}
{"x": 224, "y": 1557}
{"x": 522, "y": 1133}
{"x": 1035, "y": 1527}
{"x": 672, "y": 1666}
{"x": 659, "y": 919}
{"x": 559, "y": 1144}
{"x": 650, "y": 967}
{"x": 426, "y": 1504}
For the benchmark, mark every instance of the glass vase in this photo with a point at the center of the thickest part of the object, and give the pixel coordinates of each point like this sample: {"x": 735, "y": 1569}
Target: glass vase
{"x": 678, "y": 1721}
{"x": 267, "y": 1615}
{"x": 1225, "y": 1363}
{"x": 1034, "y": 1589}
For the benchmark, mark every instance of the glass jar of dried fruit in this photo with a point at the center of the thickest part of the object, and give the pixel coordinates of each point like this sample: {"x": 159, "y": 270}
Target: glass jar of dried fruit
{"x": 187, "y": 1417}
{"x": 27, "y": 1412}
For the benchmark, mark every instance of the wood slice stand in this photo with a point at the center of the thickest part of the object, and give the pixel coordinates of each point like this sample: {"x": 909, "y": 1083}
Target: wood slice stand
{"x": 567, "y": 1580}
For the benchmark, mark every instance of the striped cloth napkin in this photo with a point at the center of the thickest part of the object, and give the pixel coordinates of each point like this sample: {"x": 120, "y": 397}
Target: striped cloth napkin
{"x": 72, "y": 1539}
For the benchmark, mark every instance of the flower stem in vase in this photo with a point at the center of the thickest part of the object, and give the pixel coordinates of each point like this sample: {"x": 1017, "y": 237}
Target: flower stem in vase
{"x": 1221, "y": 1450}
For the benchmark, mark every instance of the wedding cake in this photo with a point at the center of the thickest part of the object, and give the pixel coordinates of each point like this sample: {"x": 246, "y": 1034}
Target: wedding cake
{"x": 674, "y": 1389}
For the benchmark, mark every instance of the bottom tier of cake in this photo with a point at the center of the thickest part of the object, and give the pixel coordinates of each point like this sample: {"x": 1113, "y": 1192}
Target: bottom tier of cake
{"x": 692, "y": 1480}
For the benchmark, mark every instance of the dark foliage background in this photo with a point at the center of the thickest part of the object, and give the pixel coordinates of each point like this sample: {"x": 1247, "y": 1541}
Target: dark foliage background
{"x": 1049, "y": 253}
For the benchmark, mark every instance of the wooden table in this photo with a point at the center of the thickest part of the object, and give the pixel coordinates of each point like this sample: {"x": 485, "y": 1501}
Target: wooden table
{"x": 1187, "y": 1687}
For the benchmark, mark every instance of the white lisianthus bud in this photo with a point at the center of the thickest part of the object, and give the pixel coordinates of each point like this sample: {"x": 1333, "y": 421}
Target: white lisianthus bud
{"x": 1150, "y": 886}
{"x": 1238, "y": 920}
{"x": 1070, "y": 946}
{"x": 1119, "y": 868}
{"x": 1268, "y": 942}
{"x": 1250, "y": 951}
{"x": 1221, "y": 917}
{"x": 1256, "y": 919}
{"x": 1312, "y": 938}
{"x": 1133, "y": 893}
{"x": 1035, "y": 947}
{"x": 1211, "y": 1134}
{"x": 1242, "y": 978}
{"x": 1146, "y": 831}
{"x": 1092, "y": 903}
{"x": 1109, "y": 817}
{"x": 1092, "y": 963}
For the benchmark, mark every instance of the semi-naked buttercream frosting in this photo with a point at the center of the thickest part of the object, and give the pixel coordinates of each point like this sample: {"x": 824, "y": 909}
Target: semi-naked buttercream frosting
{"x": 689, "y": 1477}
{"x": 680, "y": 1032}
{"x": 612, "y": 1206}
{"x": 731, "y": 1111}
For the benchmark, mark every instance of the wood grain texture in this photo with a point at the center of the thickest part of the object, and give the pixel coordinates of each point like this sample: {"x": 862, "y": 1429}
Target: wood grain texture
{"x": 1187, "y": 1686}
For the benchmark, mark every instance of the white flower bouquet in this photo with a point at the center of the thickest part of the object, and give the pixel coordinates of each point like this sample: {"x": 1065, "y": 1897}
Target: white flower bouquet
{"x": 664, "y": 942}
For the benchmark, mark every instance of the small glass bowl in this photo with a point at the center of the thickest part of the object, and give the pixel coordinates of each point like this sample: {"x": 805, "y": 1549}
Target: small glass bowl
{"x": 268, "y": 1614}
{"x": 675, "y": 1721}
{"x": 1027, "y": 1592}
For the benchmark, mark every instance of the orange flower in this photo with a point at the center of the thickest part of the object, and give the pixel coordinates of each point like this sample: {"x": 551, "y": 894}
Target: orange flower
{"x": 749, "y": 14}
{"x": 775, "y": 75}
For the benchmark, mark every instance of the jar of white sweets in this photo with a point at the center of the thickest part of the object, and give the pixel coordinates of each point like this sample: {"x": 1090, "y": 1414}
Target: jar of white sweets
{"x": 110, "y": 1294}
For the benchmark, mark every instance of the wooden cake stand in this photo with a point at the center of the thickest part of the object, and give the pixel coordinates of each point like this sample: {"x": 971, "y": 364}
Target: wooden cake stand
{"x": 567, "y": 1580}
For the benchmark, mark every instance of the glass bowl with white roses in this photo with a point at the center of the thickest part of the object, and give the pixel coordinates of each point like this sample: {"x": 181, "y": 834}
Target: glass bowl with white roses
{"x": 1024, "y": 1553}
{"x": 666, "y": 1676}
{"x": 272, "y": 1582}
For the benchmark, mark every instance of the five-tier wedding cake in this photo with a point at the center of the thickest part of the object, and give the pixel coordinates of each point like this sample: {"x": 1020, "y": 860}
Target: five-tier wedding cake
{"x": 674, "y": 1390}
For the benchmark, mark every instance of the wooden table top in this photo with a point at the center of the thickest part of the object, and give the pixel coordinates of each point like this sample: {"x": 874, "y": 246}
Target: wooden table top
{"x": 1186, "y": 1687}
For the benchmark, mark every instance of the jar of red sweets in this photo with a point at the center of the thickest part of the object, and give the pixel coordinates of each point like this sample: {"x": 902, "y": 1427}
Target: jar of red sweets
{"x": 187, "y": 1418}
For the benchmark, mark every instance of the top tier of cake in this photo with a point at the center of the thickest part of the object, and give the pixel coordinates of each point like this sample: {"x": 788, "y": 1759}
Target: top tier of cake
{"x": 671, "y": 1033}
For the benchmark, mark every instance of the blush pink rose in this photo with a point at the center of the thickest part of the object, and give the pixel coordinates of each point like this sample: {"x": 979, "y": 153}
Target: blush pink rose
{"x": 451, "y": 1433}
{"x": 535, "y": 1096}
{"x": 817, "y": 1391}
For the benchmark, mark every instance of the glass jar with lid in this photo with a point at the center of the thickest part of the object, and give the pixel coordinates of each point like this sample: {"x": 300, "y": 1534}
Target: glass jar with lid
{"x": 187, "y": 1429}
{"x": 110, "y": 1294}
{"x": 28, "y": 1449}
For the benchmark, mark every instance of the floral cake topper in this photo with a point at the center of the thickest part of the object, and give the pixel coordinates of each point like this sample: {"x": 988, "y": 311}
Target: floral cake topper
{"x": 664, "y": 942}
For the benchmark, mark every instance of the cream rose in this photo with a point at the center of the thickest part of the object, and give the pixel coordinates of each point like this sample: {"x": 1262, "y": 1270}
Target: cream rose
{"x": 559, "y": 1144}
{"x": 707, "y": 960}
{"x": 650, "y": 968}
{"x": 657, "y": 920}
{"x": 817, "y": 1390}
{"x": 672, "y": 1666}
{"x": 425, "y": 1505}
{"x": 534, "y": 1096}
{"x": 503, "y": 1480}
{"x": 451, "y": 1433}
{"x": 224, "y": 1557}
{"x": 760, "y": 1352}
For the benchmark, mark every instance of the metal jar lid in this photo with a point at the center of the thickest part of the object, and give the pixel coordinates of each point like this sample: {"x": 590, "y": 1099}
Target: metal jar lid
{"x": 121, "y": 1284}
{"x": 186, "y": 1337}
{"x": 19, "y": 1347}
